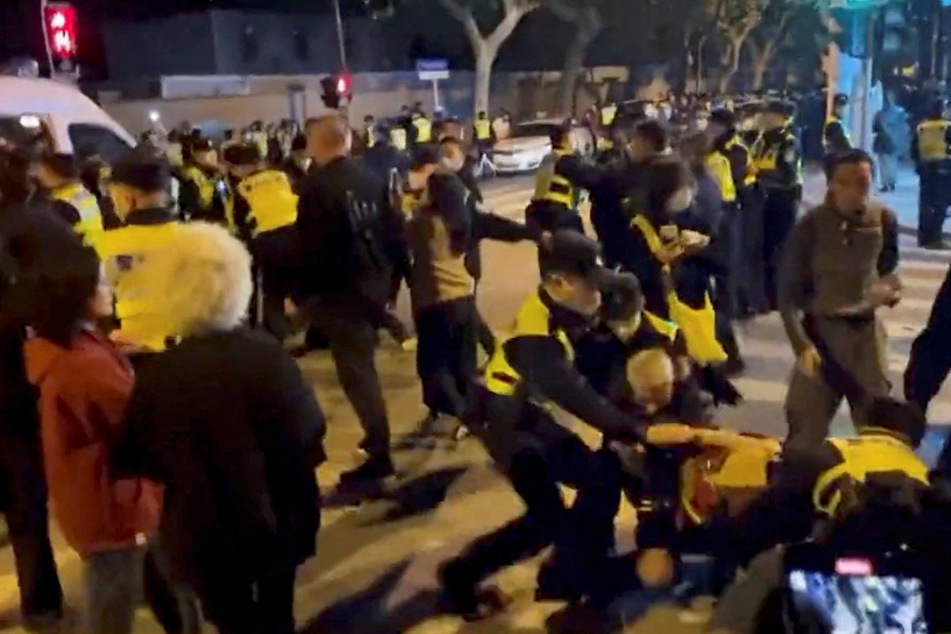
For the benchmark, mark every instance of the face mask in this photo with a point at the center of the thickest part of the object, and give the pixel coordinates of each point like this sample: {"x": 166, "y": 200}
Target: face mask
{"x": 681, "y": 200}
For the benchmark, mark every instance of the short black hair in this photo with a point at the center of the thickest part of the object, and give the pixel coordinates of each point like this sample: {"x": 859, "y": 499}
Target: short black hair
{"x": 424, "y": 155}
{"x": 142, "y": 170}
{"x": 723, "y": 117}
{"x": 60, "y": 286}
{"x": 665, "y": 176}
{"x": 854, "y": 156}
{"x": 654, "y": 132}
{"x": 246, "y": 153}
{"x": 558, "y": 134}
{"x": 299, "y": 143}
{"x": 63, "y": 165}
{"x": 936, "y": 108}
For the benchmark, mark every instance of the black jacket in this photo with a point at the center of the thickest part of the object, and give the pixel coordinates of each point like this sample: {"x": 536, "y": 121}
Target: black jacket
{"x": 27, "y": 232}
{"x": 228, "y": 425}
{"x": 352, "y": 238}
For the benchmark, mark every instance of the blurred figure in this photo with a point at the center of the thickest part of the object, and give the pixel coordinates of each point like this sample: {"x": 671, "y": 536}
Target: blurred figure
{"x": 931, "y": 152}
{"x": 369, "y": 131}
{"x": 297, "y": 164}
{"x": 205, "y": 194}
{"x": 227, "y": 424}
{"x": 59, "y": 177}
{"x": 890, "y": 140}
{"x": 554, "y": 203}
{"x": 835, "y": 137}
{"x": 28, "y": 232}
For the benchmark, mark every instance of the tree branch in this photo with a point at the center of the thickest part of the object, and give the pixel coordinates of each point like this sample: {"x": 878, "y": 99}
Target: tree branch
{"x": 466, "y": 17}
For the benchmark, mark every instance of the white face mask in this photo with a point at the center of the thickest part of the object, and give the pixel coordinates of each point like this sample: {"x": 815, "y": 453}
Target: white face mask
{"x": 681, "y": 200}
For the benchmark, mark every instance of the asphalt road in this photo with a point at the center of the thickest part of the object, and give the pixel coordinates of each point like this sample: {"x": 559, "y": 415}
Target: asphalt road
{"x": 375, "y": 570}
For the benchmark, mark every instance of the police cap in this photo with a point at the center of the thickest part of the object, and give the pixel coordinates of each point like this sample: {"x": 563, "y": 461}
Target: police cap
{"x": 621, "y": 297}
{"x": 142, "y": 170}
{"x": 723, "y": 117}
{"x": 576, "y": 254}
{"x": 246, "y": 153}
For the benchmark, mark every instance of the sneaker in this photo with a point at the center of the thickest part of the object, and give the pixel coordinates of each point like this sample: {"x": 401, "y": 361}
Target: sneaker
{"x": 375, "y": 468}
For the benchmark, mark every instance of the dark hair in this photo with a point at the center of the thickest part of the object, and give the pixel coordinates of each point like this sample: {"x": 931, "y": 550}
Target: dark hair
{"x": 63, "y": 165}
{"x": 142, "y": 170}
{"x": 899, "y": 417}
{"x": 558, "y": 134}
{"x": 246, "y": 153}
{"x": 15, "y": 183}
{"x": 855, "y": 156}
{"x": 936, "y": 108}
{"x": 59, "y": 286}
{"x": 694, "y": 147}
{"x": 664, "y": 177}
{"x": 91, "y": 172}
{"x": 299, "y": 143}
{"x": 654, "y": 132}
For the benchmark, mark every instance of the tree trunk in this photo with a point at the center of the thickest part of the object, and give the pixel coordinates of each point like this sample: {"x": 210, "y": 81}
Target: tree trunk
{"x": 485, "y": 58}
{"x": 760, "y": 65}
{"x": 574, "y": 62}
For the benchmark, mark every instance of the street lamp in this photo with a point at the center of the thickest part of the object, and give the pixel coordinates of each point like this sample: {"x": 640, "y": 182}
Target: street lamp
{"x": 343, "y": 49}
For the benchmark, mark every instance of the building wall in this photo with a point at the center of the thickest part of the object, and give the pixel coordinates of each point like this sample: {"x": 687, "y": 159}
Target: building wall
{"x": 178, "y": 45}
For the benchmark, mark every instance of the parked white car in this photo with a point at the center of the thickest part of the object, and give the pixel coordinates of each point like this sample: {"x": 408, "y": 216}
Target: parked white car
{"x": 530, "y": 143}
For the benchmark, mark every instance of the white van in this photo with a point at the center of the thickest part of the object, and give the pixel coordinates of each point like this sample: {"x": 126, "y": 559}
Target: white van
{"x": 70, "y": 122}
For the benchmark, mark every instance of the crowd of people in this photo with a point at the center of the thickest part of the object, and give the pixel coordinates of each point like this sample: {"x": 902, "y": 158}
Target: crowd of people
{"x": 147, "y": 393}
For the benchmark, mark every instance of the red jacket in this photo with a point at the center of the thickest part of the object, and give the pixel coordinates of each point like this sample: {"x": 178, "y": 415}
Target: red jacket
{"x": 83, "y": 396}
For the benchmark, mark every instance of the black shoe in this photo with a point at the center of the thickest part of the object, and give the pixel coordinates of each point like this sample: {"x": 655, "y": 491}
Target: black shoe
{"x": 463, "y": 599}
{"x": 375, "y": 468}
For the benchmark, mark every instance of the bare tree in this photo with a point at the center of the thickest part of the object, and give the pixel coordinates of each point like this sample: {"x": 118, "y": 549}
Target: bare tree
{"x": 773, "y": 33}
{"x": 733, "y": 22}
{"x": 486, "y": 45}
{"x": 586, "y": 17}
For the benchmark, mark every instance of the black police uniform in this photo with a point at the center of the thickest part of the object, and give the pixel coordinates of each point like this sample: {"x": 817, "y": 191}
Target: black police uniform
{"x": 778, "y": 164}
{"x": 931, "y": 150}
{"x": 352, "y": 251}
{"x": 930, "y": 359}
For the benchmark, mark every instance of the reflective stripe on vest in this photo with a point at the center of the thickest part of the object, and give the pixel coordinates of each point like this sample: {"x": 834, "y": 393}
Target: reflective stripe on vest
{"x": 552, "y": 186}
{"x": 483, "y": 129}
{"x": 371, "y": 136}
{"x": 607, "y": 115}
{"x": 862, "y": 456}
{"x": 932, "y": 140}
{"x": 271, "y": 201}
{"x": 398, "y": 138}
{"x": 86, "y": 205}
{"x": 205, "y": 185}
{"x": 424, "y": 129}
{"x": 533, "y": 320}
{"x": 719, "y": 167}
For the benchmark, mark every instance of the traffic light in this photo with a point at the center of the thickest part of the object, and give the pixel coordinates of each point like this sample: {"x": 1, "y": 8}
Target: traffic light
{"x": 60, "y": 30}
{"x": 334, "y": 89}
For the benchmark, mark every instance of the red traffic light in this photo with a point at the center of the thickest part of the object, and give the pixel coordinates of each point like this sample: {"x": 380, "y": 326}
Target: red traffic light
{"x": 60, "y": 22}
{"x": 336, "y": 88}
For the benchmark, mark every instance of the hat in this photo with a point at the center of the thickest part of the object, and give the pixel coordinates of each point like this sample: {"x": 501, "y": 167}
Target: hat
{"x": 143, "y": 170}
{"x": 574, "y": 253}
{"x": 621, "y": 297}
{"x": 724, "y": 117}
{"x": 242, "y": 154}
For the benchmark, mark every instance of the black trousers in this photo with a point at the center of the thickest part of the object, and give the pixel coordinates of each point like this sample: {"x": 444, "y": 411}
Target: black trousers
{"x": 275, "y": 255}
{"x": 551, "y": 216}
{"x": 351, "y": 335}
{"x": 780, "y": 207}
{"x": 21, "y": 461}
{"x": 750, "y": 266}
{"x": 237, "y": 606}
{"x": 536, "y": 454}
{"x": 934, "y": 198}
{"x": 446, "y": 355}
{"x": 725, "y": 281}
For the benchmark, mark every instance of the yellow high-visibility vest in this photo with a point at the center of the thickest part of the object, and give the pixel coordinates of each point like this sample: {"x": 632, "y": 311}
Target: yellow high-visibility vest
{"x": 607, "y": 114}
{"x": 398, "y": 138}
{"x": 370, "y": 136}
{"x": 533, "y": 320}
{"x": 89, "y": 227}
{"x": 719, "y": 167}
{"x": 861, "y": 456}
{"x": 271, "y": 201}
{"x": 932, "y": 140}
{"x": 697, "y": 324}
{"x": 424, "y": 129}
{"x": 552, "y": 186}
{"x": 483, "y": 129}
{"x": 124, "y": 249}
{"x": 750, "y": 178}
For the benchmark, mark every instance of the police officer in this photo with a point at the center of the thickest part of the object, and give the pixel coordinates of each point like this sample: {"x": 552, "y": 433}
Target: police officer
{"x": 746, "y": 254}
{"x": 554, "y": 203}
{"x": 421, "y": 126}
{"x": 835, "y": 138}
{"x": 297, "y": 163}
{"x": 399, "y": 139}
{"x": 482, "y": 128}
{"x": 59, "y": 176}
{"x": 265, "y": 212}
{"x": 205, "y": 194}
{"x": 352, "y": 252}
{"x": 777, "y": 162}
{"x": 607, "y": 114}
{"x": 369, "y": 131}
{"x": 138, "y": 188}
{"x": 840, "y": 266}
{"x": 533, "y": 367}
{"x": 932, "y": 156}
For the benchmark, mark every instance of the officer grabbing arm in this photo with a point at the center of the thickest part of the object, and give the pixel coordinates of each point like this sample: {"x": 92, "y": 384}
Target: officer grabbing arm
{"x": 553, "y": 204}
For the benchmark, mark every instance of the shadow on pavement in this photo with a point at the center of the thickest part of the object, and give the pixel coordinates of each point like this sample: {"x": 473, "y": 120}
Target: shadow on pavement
{"x": 422, "y": 495}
